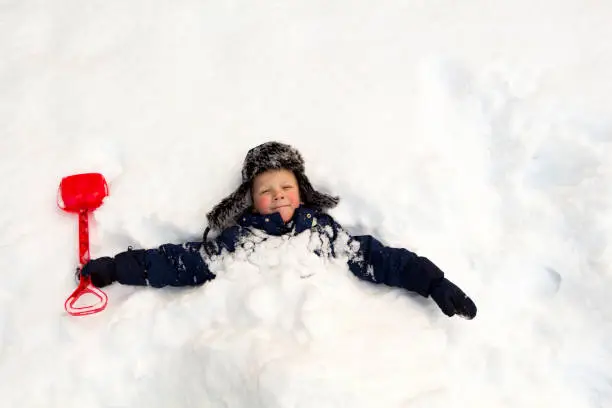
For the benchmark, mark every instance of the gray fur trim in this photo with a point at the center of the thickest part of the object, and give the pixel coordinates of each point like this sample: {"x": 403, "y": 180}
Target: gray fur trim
{"x": 224, "y": 214}
{"x": 311, "y": 197}
{"x": 267, "y": 156}
{"x": 271, "y": 155}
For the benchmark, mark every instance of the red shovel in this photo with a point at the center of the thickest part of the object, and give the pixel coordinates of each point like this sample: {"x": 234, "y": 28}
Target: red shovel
{"x": 82, "y": 193}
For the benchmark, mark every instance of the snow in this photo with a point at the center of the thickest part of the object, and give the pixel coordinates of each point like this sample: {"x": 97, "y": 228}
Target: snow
{"x": 476, "y": 133}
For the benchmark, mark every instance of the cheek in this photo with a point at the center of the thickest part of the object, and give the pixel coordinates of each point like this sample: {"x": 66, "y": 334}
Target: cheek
{"x": 262, "y": 204}
{"x": 294, "y": 198}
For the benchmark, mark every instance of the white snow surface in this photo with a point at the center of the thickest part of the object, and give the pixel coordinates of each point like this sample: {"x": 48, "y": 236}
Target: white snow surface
{"x": 476, "y": 133}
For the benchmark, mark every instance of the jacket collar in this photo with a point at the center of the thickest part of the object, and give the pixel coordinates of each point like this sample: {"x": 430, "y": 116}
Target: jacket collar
{"x": 273, "y": 224}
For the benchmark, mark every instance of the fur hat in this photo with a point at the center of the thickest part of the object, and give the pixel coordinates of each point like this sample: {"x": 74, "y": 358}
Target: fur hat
{"x": 267, "y": 156}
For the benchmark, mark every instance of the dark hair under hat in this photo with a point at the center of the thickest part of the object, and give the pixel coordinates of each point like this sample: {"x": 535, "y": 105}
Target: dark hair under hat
{"x": 267, "y": 156}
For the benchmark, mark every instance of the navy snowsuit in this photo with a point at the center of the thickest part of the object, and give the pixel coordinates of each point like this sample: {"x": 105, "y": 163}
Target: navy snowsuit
{"x": 186, "y": 264}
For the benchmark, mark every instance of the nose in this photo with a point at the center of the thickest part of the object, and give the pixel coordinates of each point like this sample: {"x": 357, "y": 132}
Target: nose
{"x": 279, "y": 195}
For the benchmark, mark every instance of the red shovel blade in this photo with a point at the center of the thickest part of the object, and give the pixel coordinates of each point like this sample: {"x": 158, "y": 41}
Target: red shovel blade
{"x": 82, "y": 192}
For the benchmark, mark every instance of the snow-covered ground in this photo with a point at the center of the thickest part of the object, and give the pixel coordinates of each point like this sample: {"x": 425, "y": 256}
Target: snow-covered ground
{"x": 476, "y": 133}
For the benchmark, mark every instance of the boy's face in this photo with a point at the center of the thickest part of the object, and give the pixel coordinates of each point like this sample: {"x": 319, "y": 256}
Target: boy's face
{"x": 276, "y": 191}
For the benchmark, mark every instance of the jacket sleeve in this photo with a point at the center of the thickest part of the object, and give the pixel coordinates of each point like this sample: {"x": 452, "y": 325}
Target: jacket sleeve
{"x": 168, "y": 265}
{"x": 171, "y": 264}
{"x": 397, "y": 267}
{"x": 370, "y": 260}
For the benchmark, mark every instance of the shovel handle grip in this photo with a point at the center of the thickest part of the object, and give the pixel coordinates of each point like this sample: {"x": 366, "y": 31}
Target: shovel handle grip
{"x": 85, "y": 287}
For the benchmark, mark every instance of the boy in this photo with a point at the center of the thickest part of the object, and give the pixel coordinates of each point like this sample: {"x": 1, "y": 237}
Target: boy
{"x": 274, "y": 199}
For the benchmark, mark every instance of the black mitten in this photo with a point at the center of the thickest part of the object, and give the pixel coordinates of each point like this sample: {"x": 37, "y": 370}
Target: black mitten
{"x": 452, "y": 300}
{"x": 102, "y": 271}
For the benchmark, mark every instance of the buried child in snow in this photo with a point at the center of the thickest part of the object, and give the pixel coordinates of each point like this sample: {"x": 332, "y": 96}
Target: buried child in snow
{"x": 274, "y": 199}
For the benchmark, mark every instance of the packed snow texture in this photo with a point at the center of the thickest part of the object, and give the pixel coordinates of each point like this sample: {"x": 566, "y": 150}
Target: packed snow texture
{"x": 476, "y": 133}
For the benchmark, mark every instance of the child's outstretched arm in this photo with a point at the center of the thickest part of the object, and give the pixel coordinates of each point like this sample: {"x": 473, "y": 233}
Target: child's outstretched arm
{"x": 399, "y": 267}
{"x": 168, "y": 265}
{"x": 370, "y": 260}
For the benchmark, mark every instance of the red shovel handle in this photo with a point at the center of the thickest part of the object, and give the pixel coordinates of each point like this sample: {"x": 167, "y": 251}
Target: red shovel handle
{"x": 85, "y": 287}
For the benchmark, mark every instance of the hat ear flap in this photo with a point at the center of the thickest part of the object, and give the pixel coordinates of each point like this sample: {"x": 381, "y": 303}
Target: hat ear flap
{"x": 230, "y": 208}
{"x": 305, "y": 187}
{"x": 312, "y": 198}
{"x": 324, "y": 201}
